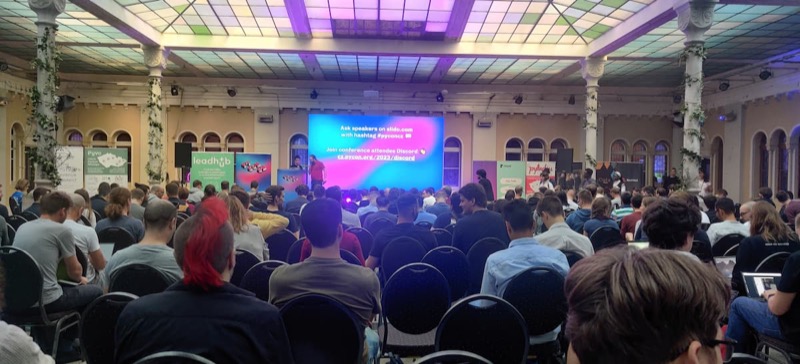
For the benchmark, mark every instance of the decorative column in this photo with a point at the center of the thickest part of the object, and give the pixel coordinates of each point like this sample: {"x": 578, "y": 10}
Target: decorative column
{"x": 694, "y": 19}
{"x": 44, "y": 98}
{"x": 592, "y": 69}
{"x": 155, "y": 58}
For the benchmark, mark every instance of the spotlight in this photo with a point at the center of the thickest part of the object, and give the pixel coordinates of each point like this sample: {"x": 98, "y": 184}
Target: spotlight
{"x": 676, "y": 99}
{"x": 174, "y": 90}
{"x": 724, "y": 85}
{"x": 571, "y": 100}
{"x": 3, "y": 66}
{"x": 439, "y": 97}
{"x": 231, "y": 92}
{"x": 765, "y": 74}
{"x": 518, "y": 99}
{"x": 314, "y": 94}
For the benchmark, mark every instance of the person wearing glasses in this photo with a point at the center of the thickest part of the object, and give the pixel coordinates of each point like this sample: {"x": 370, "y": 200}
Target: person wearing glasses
{"x": 646, "y": 306}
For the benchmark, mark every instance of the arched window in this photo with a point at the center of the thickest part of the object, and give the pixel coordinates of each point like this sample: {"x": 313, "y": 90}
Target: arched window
{"x": 661, "y": 160}
{"x": 618, "y": 151}
{"x": 75, "y": 138}
{"x": 234, "y": 143}
{"x": 514, "y": 150}
{"x": 639, "y": 152}
{"x": 782, "y": 158}
{"x": 452, "y": 162}
{"x": 189, "y": 138}
{"x": 555, "y": 145}
{"x": 298, "y": 147}
{"x": 123, "y": 141}
{"x": 535, "y": 150}
{"x": 211, "y": 143}
{"x": 760, "y": 162}
{"x": 99, "y": 139}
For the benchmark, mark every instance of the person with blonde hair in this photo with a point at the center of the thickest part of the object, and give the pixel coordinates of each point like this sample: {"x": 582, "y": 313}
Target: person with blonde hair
{"x": 116, "y": 211}
{"x": 246, "y": 235}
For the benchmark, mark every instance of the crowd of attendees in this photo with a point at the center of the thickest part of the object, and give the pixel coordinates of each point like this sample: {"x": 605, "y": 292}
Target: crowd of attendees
{"x": 658, "y": 305}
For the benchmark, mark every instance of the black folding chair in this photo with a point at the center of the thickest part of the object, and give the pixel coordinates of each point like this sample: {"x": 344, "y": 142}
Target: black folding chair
{"x": 16, "y": 221}
{"x": 702, "y": 250}
{"x": 349, "y": 257}
{"x": 413, "y": 301}
{"x": 770, "y": 349}
{"x": 179, "y": 220}
{"x": 244, "y": 261}
{"x": 138, "y": 279}
{"x": 450, "y": 228}
{"x": 572, "y": 257}
{"x": 605, "y": 237}
{"x": 477, "y": 256}
{"x": 365, "y": 238}
{"x": 98, "y": 322}
{"x": 538, "y": 294}
{"x": 120, "y": 237}
{"x": 399, "y": 252}
{"x": 363, "y": 217}
{"x": 453, "y": 357}
{"x": 279, "y": 245}
{"x": 12, "y": 233}
{"x": 485, "y": 325}
{"x": 424, "y": 225}
{"x": 29, "y": 216}
{"x": 453, "y": 264}
{"x": 97, "y": 215}
{"x": 23, "y": 294}
{"x": 295, "y": 250}
{"x": 727, "y": 246}
{"x": 773, "y": 263}
{"x": 256, "y": 279}
{"x": 339, "y": 340}
{"x": 85, "y": 221}
{"x": 173, "y": 357}
{"x": 378, "y": 225}
{"x": 443, "y": 237}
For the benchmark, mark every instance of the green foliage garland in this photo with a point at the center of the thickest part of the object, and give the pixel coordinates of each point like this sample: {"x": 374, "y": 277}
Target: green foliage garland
{"x": 155, "y": 160}
{"x": 44, "y": 128}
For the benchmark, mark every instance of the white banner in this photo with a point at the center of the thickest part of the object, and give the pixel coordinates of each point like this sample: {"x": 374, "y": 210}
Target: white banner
{"x": 70, "y": 168}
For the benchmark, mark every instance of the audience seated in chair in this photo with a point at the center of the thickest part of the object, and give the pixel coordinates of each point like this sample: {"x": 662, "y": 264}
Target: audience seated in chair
{"x": 99, "y": 201}
{"x": 269, "y": 224}
{"x": 348, "y": 218}
{"x": 246, "y": 235}
{"x": 382, "y": 213}
{"x": 294, "y": 206}
{"x": 645, "y": 306}
{"x": 579, "y": 217}
{"x": 424, "y": 216}
{"x": 524, "y": 252}
{"x": 274, "y": 195}
{"x": 203, "y": 314}
{"x": 728, "y": 225}
{"x": 36, "y": 209}
{"x": 325, "y": 273}
{"x": 477, "y": 222}
{"x": 15, "y": 200}
{"x": 160, "y": 221}
{"x": 627, "y": 226}
{"x": 137, "y": 199}
{"x": 407, "y": 209}
{"x": 671, "y": 225}
{"x": 85, "y": 239}
{"x": 116, "y": 212}
{"x": 601, "y": 217}
{"x": 349, "y": 243}
{"x": 559, "y": 235}
{"x": 440, "y": 206}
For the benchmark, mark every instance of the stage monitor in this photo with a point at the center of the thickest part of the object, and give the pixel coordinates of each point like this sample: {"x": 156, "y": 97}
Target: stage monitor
{"x": 383, "y": 151}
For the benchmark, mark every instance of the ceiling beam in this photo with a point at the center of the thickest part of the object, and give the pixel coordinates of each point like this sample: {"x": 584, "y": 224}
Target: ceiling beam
{"x": 312, "y": 65}
{"x": 442, "y": 66}
{"x": 121, "y": 19}
{"x": 458, "y": 19}
{"x": 373, "y": 47}
{"x": 647, "y": 19}
{"x": 296, "y": 9}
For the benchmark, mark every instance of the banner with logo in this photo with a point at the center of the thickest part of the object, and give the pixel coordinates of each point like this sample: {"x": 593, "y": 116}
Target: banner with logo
{"x": 212, "y": 168}
{"x": 533, "y": 175}
{"x": 70, "y": 168}
{"x": 253, "y": 167}
{"x": 510, "y": 174}
{"x": 290, "y": 179}
{"x": 105, "y": 165}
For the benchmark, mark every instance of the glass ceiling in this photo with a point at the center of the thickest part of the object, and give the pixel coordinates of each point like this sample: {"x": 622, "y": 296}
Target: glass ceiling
{"x": 410, "y": 19}
{"x": 376, "y": 68}
{"x": 288, "y": 66}
{"x": 503, "y": 70}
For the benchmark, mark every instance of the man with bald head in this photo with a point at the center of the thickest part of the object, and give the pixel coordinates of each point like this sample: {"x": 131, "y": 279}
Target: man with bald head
{"x": 85, "y": 239}
{"x": 159, "y": 225}
{"x": 744, "y": 213}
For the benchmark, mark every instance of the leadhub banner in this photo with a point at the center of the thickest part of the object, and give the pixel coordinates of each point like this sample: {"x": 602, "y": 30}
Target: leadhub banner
{"x": 212, "y": 168}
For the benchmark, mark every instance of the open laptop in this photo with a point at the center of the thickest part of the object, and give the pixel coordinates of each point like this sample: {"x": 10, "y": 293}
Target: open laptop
{"x": 639, "y": 244}
{"x": 757, "y": 283}
{"x": 725, "y": 265}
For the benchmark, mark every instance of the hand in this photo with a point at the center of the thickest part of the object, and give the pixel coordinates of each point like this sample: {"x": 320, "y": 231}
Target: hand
{"x": 769, "y": 293}
{"x": 84, "y": 281}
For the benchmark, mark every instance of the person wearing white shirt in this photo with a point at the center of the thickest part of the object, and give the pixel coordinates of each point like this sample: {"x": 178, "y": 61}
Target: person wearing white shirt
{"x": 559, "y": 235}
{"x": 702, "y": 185}
{"x": 728, "y": 224}
{"x": 427, "y": 197}
{"x": 85, "y": 239}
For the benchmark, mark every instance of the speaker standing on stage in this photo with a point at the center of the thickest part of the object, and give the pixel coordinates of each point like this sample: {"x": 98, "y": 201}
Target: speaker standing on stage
{"x": 317, "y": 171}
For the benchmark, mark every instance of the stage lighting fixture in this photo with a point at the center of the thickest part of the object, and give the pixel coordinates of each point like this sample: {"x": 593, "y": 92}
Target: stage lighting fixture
{"x": 518, "y": 99}
{"x": 231, "y": 92}
{"x": 174, "y": 90}
{"x": 3, "y": 66}
{"x": 571, "y": 100}
{"x": 765, "y": 74}
{"x": 676, "y": 99}
{"x": 724, "y": 85}
{"x": 314, "y": 94}
{"x": 439, "y": 97}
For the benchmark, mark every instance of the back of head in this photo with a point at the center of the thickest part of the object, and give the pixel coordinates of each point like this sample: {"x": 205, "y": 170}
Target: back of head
{"x": 197, "y": 184}
{"x": 636, "y": 201}
{"x": 585, "y": 197}
{"x": 137, "y": 194}
{"x": 430, "y": 190}
{"x": 668, "y": 223}
{"x": 275, "y": 191}
{"x": 649, "y": 190}
{"x": 183, "y": 193}
{"x": 455, "y": 204}
{"x": 158, "y": 215}
{"x": 204, "y": 245}
{"x": 601, "y": 208}
{"x": 550, "y": 205}
{"x": 225, "y": 185}
{"x": 473, "y": 191}
{"x": 172, "y": 189}
{"x": 649, "y": 200}
{"x": 725, "y": 205}
{"x": 52, "y": 203}
{"x": 103, "y": 189}
{"x": 39, "y": 192}
{"x": 85, "y": 194}
{"x": 243, "y": 198}
{"x": 301, "y": 190}
{"x": 448, "y": 190}
{"x": 118, "y": 201}
{"x": 441, "y": 196}
{"x": 710, "y": 201}
{"x": 519, "y": 216}
{"x": 626, "y": 198}
{"x": 321, "y": 220}
{"x": 407, "y": 205}
{"x": 78, "y": 203}
{"x": 782, "y": 196}
{"x": 254, "y": 185}
{"x": 481, "y": 173}
{"x": 510, "y": 194}
{"x": 765, "y": 193}
{"x": 723, "y": 193}
{"x": 615, "y": 191}
{"x": 642, "y": 306}
{"x": 113, "y": 185}
{"x": 334, "y": 193}
{"x": 518, "y": 191}
{"x": 209, "y": 191}
{"x": 662, "y": 192}
{"x": 562, "y": 196}
{"x": 319, "y": 191}
{"x": 382, "y": 201}
{"x": 21, "y": 185}
{"x": 765, "y": 221}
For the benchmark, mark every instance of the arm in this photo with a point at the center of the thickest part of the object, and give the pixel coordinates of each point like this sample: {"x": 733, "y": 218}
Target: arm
{"x": 372, "y": 262}
{"x": 488, "y": 281}
{"x": 96, "y": 254}
{"x": 74, "y": 269}
{"x": 779, "y": 302}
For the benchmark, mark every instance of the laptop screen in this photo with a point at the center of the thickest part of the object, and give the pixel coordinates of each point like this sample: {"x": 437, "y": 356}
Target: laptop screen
{"x": 725, "y": 265}
{"x": 757, "y": 283}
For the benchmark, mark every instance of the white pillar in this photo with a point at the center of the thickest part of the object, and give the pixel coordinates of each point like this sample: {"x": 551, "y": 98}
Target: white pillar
{"x": 694, "y": 19}
{"x": 46, "y": 74}
{"x": 591, "y": 69}
{"x": 155, "y": 58}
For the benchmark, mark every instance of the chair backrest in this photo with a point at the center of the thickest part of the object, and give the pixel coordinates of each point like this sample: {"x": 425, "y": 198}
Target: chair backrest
{"x": 485, "y": 325}
{"x": 244, "y": 261}
{"x": 173, "y": 357}
{"x": 295, "y": 250}
{"x": 399, "y": 252}
{"x": 179, "y": 220}
{"x": 97, "y": 215}
{"x": 29, "y": 216}
{"x": 349, "y": 257}
{"x": 12, "y": 233}
{"x": 443, "y": 237}
{"x": 16, "y": 221}
{"x": 605, "y": 237}
{"x": 702, "y": 250}
{"x": 723, "y": 246}
{"x": 453, "y": 357}
{"x": 279, "y": 245}
{"x": 572, "y": 257}
{"x": 120, "y": 237}
{"x": 339, "y": 340}
{"x": 184, "y": 215}
{"x": 378, "y": 225}
{"x": 451, "y": 228}
{"x": 453, "y": 264}
{"x": 24, "y": 282}
{"x": 98, "y": 322}
{"x": 138, "y": 279}
{"x": 415, "y": 298}
{"x": 256, "y": 279}
{"x": 363, "y": 217}
{"x": 365, "y": 238}
{"x": 773, "y": 263}
{"x": 477, "y": 256}
{"x": 538, "y": 294}
{"x": 424, "y": 225}
{"x": 82, "y": 260}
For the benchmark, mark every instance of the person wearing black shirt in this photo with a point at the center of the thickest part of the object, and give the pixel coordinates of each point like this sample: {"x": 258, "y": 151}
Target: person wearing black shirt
{"x": 275, "y": 197}
{"x": 478, "y": 222}
{"x": 294, "y": 206}
{"x": 672, "y": 179}
{"x": 486, "y": 184}
{"x": 765, "y": 194}
{"x": 407, "y": 210}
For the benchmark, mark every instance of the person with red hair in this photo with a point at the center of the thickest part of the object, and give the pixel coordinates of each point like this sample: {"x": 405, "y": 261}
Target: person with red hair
{"x": 245, "y": 329}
